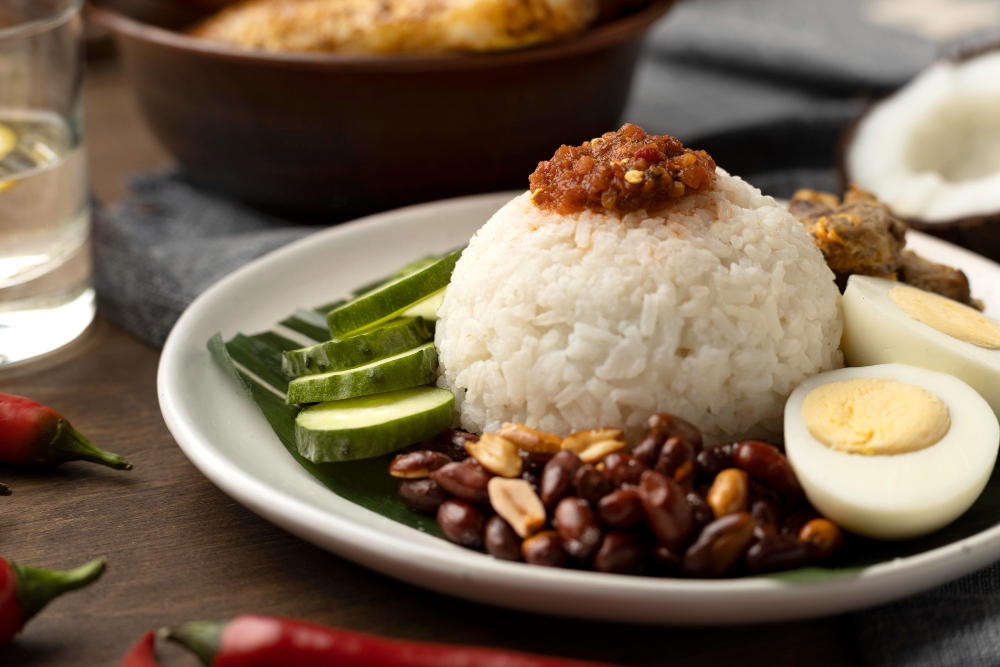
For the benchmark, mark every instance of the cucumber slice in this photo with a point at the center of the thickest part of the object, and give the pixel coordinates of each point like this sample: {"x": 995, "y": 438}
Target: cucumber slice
{"x": 389, "y": 300}
{"x": 388, "y": 339}
{"x": 358, "y": 428}
{"x": 406, "y": 369}
{"x": 428, "y": 308}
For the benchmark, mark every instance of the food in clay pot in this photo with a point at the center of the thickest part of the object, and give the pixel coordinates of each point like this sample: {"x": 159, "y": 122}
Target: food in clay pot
{"x": 636, "y": 276}
{"x": 931, "y": 151}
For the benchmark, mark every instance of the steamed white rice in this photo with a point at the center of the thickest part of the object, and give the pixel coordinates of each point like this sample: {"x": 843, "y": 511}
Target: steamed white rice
{"x": 714, "y": 312}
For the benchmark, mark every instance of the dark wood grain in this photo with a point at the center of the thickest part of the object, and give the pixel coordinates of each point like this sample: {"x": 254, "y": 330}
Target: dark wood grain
{"x": 179, "y": 549}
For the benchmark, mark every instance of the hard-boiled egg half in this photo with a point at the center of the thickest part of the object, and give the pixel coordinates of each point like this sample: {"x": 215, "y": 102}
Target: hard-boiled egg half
{"x": 890, "y": 451}
{"x": 888, "y": 322}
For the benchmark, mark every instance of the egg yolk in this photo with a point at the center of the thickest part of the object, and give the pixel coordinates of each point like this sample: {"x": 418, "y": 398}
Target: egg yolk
{"x": 947, "y": 316}
{"x": 875, "y": 416}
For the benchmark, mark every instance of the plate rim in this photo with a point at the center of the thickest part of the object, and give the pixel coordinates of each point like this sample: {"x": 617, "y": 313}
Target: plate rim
{"x": 449, "y": 569}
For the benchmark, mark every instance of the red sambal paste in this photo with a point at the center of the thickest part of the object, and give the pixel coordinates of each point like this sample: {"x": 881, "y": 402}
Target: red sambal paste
{"x": 620, "y": 172}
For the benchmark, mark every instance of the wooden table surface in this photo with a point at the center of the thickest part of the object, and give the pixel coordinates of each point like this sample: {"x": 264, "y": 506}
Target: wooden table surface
{"x": 180, "y": 549}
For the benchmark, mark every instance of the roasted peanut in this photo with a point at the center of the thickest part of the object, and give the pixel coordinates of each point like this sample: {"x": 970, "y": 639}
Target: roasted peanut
{"x": 729, "y": 492}
{"x": 594, "y": 444}
{"x": 676, "y": 460}
{"x": 577, "y": 526}
{"x": 666, "y": 509}
{"x": 591, "y": 485}
{"x": 517, "y": 503}
{"x": 545, "y": 548}
{"x": 776, "y": 552}
{"x": 769, "y": 467}
{"x": 621, "y": 553}
{"x": 822, "y": 537}
{"x": 501, "y": 540}
{"x": 622, "y": 468}
{"x": 414, "y": 465}
{"x": 461, "y": 522}
{"x": 557, "y": 477}
{"x": 667, "y": 426}
{"x": 497, "y": 454}
{"x": 713, "y": 460}
{"x": 621, "y": 508}
{"x": 531, "y": 440}
{"x": 465, "y": 479}
{"x": 720, "y": 544}
{"x": 422, "y": 495}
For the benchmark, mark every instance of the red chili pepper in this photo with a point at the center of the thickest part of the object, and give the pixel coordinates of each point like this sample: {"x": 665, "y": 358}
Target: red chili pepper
{"x": 25, "y": 590}
{"x": 142, "y": 653}
{"x": 33, "y": 433}
{"x": 253, "y": 640}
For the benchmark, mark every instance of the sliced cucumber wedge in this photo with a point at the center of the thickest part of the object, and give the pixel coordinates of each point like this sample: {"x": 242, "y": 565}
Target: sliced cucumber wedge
{"x": 391, "y": 338}
{"x": 428, "y": 308}
{"x": 390, "y": 299}
{"x": 411, "y": 368}
{"x": 367, "y": 426}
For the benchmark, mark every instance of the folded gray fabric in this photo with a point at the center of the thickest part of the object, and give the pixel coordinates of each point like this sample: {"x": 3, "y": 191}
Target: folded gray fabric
{"x": 765, "y": 86}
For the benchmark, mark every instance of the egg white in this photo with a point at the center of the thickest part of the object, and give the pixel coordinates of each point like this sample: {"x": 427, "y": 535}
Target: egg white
{"x": 900, "y": 495}
{"x": 877, "y": 331}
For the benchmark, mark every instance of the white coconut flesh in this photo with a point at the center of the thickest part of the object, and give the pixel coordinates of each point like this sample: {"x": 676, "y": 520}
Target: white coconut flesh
{"x": 931, "y": 151}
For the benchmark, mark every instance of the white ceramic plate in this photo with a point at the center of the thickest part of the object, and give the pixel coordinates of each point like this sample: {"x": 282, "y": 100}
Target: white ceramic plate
{"x": 225, "y": 436}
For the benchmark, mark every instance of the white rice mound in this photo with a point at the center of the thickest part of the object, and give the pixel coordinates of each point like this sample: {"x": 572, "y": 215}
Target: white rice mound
{"x": 713, "y": 311}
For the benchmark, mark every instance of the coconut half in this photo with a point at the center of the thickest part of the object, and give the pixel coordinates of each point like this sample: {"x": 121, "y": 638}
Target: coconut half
{"x": 931, "y": 150}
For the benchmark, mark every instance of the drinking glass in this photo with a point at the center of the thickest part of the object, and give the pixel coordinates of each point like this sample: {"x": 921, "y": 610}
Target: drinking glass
{"x": 46, "y": 297}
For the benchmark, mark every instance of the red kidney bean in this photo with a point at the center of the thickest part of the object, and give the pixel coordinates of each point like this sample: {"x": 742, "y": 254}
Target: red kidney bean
{"x": 621, "y": 553}
{"x": 622, "y": 468}
{"x": 768, "y": 466}
{"x": 621, "y": 508}
{"x": 669, "y": 426}
{"x": 701, "y": 511}
{"x": 667, "y": 511}
{"x": 414, "y": 465}
{"x": 577, "y": 527}
{"x": 648, "y": 450}
{"x": 765, "y": 513}
{"x": 665, "y": 561}
{"x": 450, "y": 443}
{"x": 591, "y": 485}
{"x": 557, "y": 477}
{"x": 776, "y": 552}
{"x": 544, "y": 548}
{"x": 719, "y": 545}
{"x": 461, "y": 522}
{"x": 465, "y": 479}
{"x": 501, "y": 540}
{"x": 422, "y": 495}
{"x": 677, "y": 460}
{"x": 713, "y": 460}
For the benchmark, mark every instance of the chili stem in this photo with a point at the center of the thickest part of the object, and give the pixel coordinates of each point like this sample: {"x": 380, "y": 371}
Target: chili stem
{"x": 71, "y": 445}
{"x": 37, "y": 587}
{"x": 201, "y": 637}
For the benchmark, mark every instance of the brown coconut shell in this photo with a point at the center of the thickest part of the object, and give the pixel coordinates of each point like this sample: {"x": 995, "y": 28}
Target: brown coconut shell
{"x": 979, "y": 233}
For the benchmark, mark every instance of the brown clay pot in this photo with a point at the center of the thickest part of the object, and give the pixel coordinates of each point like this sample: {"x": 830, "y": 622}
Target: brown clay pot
{"x": 335, "y": 135}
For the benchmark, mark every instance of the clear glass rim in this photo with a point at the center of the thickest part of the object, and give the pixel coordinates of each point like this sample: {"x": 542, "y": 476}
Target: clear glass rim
{"x": 42, "y": 24}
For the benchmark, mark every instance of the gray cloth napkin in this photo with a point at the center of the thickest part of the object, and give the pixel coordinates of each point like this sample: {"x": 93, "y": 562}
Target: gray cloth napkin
{"x": 765, "y": 86}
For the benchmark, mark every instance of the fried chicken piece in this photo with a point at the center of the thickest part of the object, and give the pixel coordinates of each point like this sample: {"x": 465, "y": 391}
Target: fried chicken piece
{"x": 859, "y": 235}
{"x": 396, "y": 26}
{"x": 933, "y": 277}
